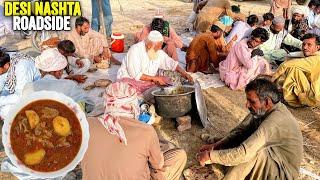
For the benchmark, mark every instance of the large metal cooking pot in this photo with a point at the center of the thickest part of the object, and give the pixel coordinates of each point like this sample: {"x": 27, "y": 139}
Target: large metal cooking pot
{"x": 170, "y": 103}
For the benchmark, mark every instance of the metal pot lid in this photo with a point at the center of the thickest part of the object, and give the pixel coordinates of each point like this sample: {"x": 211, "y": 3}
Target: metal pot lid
{"x": 201, "y": 105}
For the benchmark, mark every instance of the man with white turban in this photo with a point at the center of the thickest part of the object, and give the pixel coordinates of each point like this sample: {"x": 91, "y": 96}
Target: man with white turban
{"x": 278, "y": 35}
{"x": 51, "y": 65}
{"x": 298, "y": 26}
{"x": 16, "y": 70}
{"x": 143, "y": 61}
{"x": 122, "y": 147}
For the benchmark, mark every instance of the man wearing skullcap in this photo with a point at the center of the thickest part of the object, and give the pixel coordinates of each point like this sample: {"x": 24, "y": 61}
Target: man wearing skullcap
{"x": 122, "y": 147}
{"x": 144, "y": 59}
{"x": 51, "y": 64}
{"x": 172, "y": 40}
{"x": 278, "y": 35}
{"x": 16, "y": 70}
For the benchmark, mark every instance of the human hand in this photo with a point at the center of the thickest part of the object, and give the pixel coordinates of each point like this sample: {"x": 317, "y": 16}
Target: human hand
{"x": 79, "y": 78}
{"x": 97, "y": 59}
{"x": 184, "y": 48}
{"x": 234, "y": 38}
{"x": 106, "y": 54}
{"x": 189, "y": 78}
{"x": 206, "y": 147}
{"x": 79, "y": 63}
{"x": 257, "y": 52}
{"x": 162, "y": 80}
{"x": 204, "y": 158}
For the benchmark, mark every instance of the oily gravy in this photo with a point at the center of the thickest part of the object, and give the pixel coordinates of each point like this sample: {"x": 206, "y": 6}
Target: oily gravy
{"x": 46, "y": 135}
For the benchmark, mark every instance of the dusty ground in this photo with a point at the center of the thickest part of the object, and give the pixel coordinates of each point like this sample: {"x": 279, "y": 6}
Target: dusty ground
{"x": 226, "y": 107}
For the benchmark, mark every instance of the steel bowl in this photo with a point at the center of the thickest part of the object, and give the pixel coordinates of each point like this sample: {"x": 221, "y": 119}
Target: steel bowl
{"x": 172, "y": 104}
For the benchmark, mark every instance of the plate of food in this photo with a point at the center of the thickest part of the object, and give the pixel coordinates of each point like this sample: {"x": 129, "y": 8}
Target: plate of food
{"x": 46, "y": 134}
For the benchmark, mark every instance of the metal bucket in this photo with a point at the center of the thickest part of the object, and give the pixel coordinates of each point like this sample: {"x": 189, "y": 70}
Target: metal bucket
{"x": 173, "y": 104}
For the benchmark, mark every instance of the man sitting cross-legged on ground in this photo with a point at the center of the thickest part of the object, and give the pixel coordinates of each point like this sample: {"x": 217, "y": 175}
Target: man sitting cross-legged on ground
{"x": 244, "y": 62}
{"x": 122, "y": 147}
{"x": 300, "y": 78}
{"x": 266, "y": 145}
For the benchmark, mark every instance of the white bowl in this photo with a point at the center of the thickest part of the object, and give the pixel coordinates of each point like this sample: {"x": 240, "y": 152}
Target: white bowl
{"x": 43, "y": 95}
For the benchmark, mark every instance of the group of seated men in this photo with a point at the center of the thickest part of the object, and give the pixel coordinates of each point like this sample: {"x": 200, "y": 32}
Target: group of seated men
{"x": 242, "y": 50}
{"x": 252, "y": 149}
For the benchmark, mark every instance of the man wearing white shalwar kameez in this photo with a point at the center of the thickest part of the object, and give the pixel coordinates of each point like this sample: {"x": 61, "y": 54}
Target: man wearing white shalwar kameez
{"x": 278, "y": 35}
{"x": 51, "y": 64}
{"x": 15, "y": 71}
{"x": 142, "y": 62}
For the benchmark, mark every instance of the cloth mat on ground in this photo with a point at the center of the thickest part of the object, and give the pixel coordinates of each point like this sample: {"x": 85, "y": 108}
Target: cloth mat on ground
{"x": 208, "y": 80}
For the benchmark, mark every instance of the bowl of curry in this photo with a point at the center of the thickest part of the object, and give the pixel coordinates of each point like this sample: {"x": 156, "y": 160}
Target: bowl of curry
{"x": 46, "y": 134}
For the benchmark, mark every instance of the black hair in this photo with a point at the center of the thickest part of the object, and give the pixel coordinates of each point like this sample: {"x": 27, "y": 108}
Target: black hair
{"x": 313, "y": 3}
{"x": 310, "y": 36}
{"x": 235, "y": 9}
{"x": 80, "y": 21}
{"x": 215, "y": 28}
{"x": 67, "y": 46}
{"x": 157, "y": 24}
{"x": 268, "y": 16}
{"x": 252, "y": 20}
{"x": 264, "y": 88}
{"x": 260, "y": 33}
{"x": 4, "y": 57}
{"x": 301, "y": 2}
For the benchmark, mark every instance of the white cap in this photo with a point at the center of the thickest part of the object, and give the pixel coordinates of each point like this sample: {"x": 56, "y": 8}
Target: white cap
{"x": 299, "y": 9}
{"x": 278, "y": 20}
{"x": 155, "y": 36}
{"x": 51, "y": 60}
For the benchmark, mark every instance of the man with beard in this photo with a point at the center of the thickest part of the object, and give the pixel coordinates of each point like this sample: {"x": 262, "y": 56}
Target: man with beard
{"x": 266, "y": 145}
{"x": 300, "y": 78}
{"x": 244, "y": 62}
{"x": 142, "y": 62}
{"x": 298, "y": 26}
{"x": 89, "y": 43}
{"x": 278, "y": 35}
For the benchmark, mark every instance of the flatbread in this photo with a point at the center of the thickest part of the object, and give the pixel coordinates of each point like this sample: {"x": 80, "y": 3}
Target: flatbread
{"x": 102, "y": 82}
{"x": 89, "y": 87}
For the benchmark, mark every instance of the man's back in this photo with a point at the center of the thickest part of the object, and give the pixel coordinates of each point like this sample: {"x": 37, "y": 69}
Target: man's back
{"x": 50, "y": 83}
{"x": 108, "y": 158}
